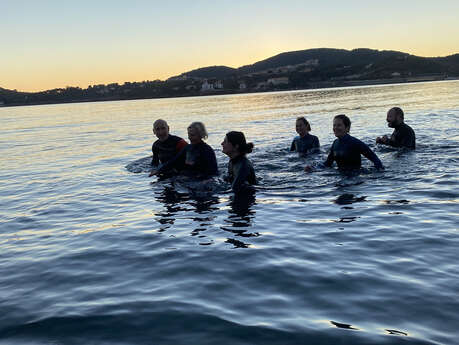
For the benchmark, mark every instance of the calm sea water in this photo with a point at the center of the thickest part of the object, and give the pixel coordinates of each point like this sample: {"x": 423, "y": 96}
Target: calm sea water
{"x": 93, "y": 251}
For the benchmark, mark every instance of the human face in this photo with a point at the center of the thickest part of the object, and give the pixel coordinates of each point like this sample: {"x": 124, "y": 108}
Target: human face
{"x": 161, "y": 130}
{"x": 301, "y": 128}
{"x": 193, "y": 135}
{"x": 392, "y": 119}
{"x": 339, "y": 128}
{"x": 228, "y": 148}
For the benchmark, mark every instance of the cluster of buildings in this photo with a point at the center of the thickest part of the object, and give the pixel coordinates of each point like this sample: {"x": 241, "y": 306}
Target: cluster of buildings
{"x": 270, "y": 78}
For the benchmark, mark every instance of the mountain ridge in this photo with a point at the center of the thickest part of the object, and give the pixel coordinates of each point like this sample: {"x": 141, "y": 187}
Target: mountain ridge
{"x": 301, "y": 69}
{"x": 328, "y": 56}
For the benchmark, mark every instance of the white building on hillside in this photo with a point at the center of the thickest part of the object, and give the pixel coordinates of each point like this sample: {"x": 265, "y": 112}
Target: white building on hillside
{"x": 278, "y": 81}
{"x": 206, "y": 86}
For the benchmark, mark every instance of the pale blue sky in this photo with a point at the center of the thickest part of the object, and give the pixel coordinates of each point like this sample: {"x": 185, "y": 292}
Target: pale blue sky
{"x": 48, "y": 44}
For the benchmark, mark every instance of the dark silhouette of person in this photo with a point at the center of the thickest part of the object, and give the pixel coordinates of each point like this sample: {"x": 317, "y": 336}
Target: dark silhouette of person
{"x": 304, "y": 142}
{"x": 166, "y": 147}
{"x": 403, "y": 135}
{"x": 241, "y": 173}
{"x": 346, "y": 150}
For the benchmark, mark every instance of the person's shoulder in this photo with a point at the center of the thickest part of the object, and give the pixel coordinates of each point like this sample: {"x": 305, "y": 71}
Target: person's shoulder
{"x": 334, "y": 143}
{"x": 156, "y": 143}
{"x": 174, "y": 138}
{"x": 244, "y": 160}
{"x": 248, "y": 162}
{"x": 205, "y": 146}
{"x": 350, "y": 138}
{"x": 357, "y": 141}
{"x": 408, "y": 128}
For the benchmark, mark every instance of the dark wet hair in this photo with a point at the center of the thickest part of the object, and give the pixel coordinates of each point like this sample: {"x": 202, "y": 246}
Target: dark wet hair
{"x": 238, "y": 138}
{"x": 399, "y": 112}
{"x": 345, "y": 119}
{"x": 306, "y": 123}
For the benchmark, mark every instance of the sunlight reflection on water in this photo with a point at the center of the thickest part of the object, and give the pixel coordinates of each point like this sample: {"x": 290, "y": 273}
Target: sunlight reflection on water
{"x": 88, "y": 239}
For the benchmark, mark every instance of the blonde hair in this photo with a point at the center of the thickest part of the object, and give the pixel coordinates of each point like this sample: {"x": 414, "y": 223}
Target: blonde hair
{"x": 200, "y": 128}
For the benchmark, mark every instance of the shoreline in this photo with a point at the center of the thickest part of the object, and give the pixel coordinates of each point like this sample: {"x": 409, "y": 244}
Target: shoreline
{"x": 318, "y": 85}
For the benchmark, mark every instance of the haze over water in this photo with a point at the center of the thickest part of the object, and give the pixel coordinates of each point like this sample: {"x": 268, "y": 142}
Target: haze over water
{"x": 93, "y": 251}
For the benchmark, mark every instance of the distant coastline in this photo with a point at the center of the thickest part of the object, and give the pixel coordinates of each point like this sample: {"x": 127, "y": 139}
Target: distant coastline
{"x": 298, "y": 70}
{"x": 321, "y": 85}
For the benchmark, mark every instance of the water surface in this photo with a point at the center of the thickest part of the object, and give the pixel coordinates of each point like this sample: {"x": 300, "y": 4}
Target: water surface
{"x": 94, "y": 252}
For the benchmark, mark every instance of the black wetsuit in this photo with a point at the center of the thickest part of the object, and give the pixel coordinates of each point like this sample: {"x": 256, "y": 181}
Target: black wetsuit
{"x": 164, "y": 151}
{"x": 403, "y": 136}
{"x": 346, "y": 152}
{"x": 195, "y": 160}
{"x": 304, "y": 144}
{"x": 241, "y": 174}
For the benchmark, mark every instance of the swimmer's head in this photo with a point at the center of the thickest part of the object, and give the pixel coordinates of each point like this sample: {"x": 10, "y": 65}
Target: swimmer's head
{"x": 161, "y": 129}
{"x": 235, "y": 144}
{"x": 196, "y": 132}
{"x": 341, "y": 125}
{"x": 395, "y": 117}
{"x": 302, "y": 126}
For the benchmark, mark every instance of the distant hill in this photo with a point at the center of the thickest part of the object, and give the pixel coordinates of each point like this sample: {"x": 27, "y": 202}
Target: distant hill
{"x": 450, "y": 62}
{"x": 326, "y": 56}
{"x": 329, "y": 57}
{"x": 219, "y": 72}
{"x": 302, "y": 69}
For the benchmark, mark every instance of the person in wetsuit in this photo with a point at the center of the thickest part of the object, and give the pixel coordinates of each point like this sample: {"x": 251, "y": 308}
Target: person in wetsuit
{"x": 166, "y": 147}
{"x": 346, "y": 150}
{"x": 241, "y": 174}
{"x": 196, "y": 160}
{"x": 403, "y": 135}
{"x": 305, "y": 142}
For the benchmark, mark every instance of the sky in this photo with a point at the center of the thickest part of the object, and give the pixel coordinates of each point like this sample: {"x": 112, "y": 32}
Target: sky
{"x": 51, "y": 44}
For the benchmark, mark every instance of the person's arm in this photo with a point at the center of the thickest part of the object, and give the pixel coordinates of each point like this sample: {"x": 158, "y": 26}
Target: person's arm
{"x": 293, "y": 146}
{"x": 369, "y": 154}
{"x": 174, "y": 162}
{"x": 330, "y": 158}
{"x": 408, "y": 139}
{"x": 328, "y": 163}
{"x": 180, "y": 145}
{"x": 155, "y": 159}
{"x": 211, "y": 167}
{"x": 240, "y": 177}
{"x": 316, "y": 143}
{"x": 392, "y": 141}
{"x": 382, "y": 140}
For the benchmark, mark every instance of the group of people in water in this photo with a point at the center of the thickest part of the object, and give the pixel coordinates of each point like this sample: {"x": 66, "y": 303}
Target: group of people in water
{"x": 172, "y": 155}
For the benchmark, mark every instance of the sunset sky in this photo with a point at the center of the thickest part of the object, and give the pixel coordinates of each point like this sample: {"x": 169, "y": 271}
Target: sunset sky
{"x": 50, "y": 44}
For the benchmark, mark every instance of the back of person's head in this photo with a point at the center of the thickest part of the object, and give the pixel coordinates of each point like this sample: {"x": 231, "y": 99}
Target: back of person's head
{"x": 238, "y": 139}
{"x": 398, "y": 113}
{"x": 200, "y": 129}
{"x": 306, "y": 122}
{"x": 345, "y": 119}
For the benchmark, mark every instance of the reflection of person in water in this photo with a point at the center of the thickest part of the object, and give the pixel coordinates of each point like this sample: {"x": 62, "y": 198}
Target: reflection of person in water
{"x": 403, "y": 135}
{"x": 197, "y": 159}
{"x": 305, "y": 142}
{"x": 346, "y": 150}
{"x": 240, "y": 218}
{"x": 241, "y": 174}
{"x": 166, "y": 147}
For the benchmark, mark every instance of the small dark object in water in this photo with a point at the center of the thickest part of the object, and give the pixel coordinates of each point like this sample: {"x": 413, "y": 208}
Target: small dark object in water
{"x": 395, "y": 332}
{"x": 347, "y": 199}
{"x": 342, "y": 325}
